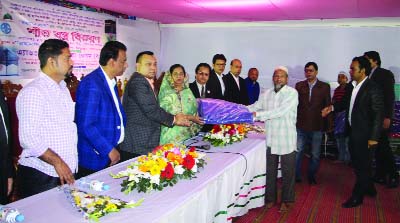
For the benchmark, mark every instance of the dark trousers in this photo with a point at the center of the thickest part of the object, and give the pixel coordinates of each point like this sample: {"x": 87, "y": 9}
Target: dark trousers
{"x": 361, "y": 159}
{"x": 127, "y": 155}
{"x": 83, "y": 172}
{"x": 32, "y": 181}
{"x": 288, "y": 167}
{"x": 385, "y": 164}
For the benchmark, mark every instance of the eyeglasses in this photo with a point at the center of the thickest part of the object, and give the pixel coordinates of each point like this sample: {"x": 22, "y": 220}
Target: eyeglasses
{"x": 309, "y": 70}
{"x": 202, "y": 73}
{"x": 181, "y": 74}
{"x": 220, "y": 64}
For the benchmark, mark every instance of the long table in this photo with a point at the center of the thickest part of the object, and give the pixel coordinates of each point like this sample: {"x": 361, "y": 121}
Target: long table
{"x": 232, "y": 182}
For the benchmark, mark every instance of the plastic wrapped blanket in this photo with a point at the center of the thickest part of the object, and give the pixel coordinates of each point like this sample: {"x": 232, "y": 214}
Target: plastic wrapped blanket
{"x": 215, "y": 111}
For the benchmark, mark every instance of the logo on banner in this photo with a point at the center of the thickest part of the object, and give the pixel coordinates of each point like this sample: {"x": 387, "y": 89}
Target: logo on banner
{"x": 5, "y": 28}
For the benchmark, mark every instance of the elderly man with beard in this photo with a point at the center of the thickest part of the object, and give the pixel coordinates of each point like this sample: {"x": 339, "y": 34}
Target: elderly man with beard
{"x": 47, "y": 131}
{"x": 278, "y": 108}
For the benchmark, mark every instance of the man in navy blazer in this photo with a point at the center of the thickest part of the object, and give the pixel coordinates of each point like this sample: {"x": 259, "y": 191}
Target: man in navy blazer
{"x": 99, "y": 114}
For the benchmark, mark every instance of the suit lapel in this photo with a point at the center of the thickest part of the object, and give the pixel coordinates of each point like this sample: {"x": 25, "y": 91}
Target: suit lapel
{"x": 196, "y": 90}
{"x": 360, "y": 94}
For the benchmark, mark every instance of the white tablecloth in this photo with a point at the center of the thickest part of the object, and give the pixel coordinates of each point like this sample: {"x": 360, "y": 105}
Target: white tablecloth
{"x": 228, "y": 186}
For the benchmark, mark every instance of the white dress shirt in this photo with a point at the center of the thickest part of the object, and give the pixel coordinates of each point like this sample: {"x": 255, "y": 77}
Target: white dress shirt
{"x": 354, "y": 95}
{"x": 221, "y": 82}
{"x": 111, "y": 85}
{"x": 199, "y": 86}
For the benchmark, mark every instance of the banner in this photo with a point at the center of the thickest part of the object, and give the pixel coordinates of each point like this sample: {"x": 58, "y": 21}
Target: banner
{"x": 25, "y": 24}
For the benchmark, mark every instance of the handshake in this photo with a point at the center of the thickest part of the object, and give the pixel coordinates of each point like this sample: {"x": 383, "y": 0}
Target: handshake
{"x": 186, "y": 120}
{"x": 326, "y": 111}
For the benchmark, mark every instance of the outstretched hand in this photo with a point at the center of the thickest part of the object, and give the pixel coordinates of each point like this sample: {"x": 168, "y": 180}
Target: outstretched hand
{"x": 326, "y": 111}
{"x": 181, "y": 120}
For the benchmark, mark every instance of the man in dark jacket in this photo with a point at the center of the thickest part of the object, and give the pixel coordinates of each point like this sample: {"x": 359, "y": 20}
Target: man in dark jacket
{"x": 6, "y": 170}
{"x": 314, "y": 95}
{"x": 385, "y": 165}
{"x": 363, "y": 102}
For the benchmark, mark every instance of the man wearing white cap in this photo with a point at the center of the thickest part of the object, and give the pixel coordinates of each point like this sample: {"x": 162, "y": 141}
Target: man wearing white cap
{"x": 278, "y": 108}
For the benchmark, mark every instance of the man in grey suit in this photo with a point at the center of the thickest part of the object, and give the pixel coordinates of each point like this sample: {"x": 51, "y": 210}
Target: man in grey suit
{"x": 143, "y": 112}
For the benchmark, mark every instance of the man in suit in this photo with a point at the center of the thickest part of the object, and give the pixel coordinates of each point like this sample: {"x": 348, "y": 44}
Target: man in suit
{"x": 386, "y": 172}
{"x": 363, "y": 102}
{"x": 144, "y": 114}
{"x": 235, "y": 86}
{"x": 216, "y": 82}
{"x": 99, "y": 114}
{"x": 314, "y": 95}
{"x": 200, "y": 87}
{"x": 7, "y": 169}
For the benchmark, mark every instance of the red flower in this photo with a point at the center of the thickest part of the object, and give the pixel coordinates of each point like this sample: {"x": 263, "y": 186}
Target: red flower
{"x": 216, "y": 129}
{"x": 168, "y": 172}
{"x": 192, "y": 149}
{"x": 231, "y": 132}
{"x": 156, "y": 149}
{"x": 188, "y": 162}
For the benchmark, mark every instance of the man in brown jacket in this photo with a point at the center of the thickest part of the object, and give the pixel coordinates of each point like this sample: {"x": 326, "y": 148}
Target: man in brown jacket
{"x": 314, "y": 95}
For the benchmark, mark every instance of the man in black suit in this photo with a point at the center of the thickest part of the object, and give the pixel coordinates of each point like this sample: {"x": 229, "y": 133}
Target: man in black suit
{"x": 143, "y": 112}
{"x": 363, "y": 103}
{"x": 385, "y": 164}
{"x": 235, "y": 86}
{"x": 6, "y": 170}
{"x": 200, "y": 87}
{"x": 215, "y": 82}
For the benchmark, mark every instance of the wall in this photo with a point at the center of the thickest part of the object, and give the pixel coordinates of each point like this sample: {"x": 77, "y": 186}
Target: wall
{"x": 330, "y": 44}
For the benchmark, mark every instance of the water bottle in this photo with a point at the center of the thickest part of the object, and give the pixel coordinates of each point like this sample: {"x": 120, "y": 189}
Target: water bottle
{"x": 86, "y": 183}
{"x": 10, "y": 215}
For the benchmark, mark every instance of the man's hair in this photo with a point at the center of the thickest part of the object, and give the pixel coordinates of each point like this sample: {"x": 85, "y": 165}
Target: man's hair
{"x": 311, "y": 64}
{"x": 253, "y": 68}
{"x": 374, "y": 56}
{"x": 363, "y": 63}
{"x": 218, "y": 57}
{"x": 110, "y": 51}
{"x": 140, "y": 55}
{"x": 50, "y": 48}
{"x": 202, "y": 65}
{"x": 173, "y": 67}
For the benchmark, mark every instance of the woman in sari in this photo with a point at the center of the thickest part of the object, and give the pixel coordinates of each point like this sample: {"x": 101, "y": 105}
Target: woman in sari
{"x": 176, "y": 97}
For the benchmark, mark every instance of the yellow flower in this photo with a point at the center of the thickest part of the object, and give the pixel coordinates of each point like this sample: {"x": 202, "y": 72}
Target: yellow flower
{"x": 155, "y": 170}
{"x": 110, "y": 206}
{"x": 161, "y": 163}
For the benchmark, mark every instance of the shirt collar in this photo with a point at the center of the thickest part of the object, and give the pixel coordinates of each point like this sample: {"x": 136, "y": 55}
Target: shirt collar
{"x": 354, "y": 83}
{"x": 313, "y": 84}
{"x": 110, "y": 82}
{"x": 52, "y": 83}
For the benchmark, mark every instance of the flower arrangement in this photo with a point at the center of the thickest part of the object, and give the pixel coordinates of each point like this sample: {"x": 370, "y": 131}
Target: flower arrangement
{"x": 163, "y": 167}
{"x": 221, "y": 135}
{"x": 96, "y": 206}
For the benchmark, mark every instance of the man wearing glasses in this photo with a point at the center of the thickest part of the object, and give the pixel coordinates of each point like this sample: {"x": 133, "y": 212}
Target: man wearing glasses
{"x": 216, "y": 82}
{"x": 200, "y": 87}
{"x": 314, "y": 95}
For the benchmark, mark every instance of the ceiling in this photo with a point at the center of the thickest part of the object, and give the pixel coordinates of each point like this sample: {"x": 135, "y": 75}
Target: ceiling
{"x": 199, "y": 11}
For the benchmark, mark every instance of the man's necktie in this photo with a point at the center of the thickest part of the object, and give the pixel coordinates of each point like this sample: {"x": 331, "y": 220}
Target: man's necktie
{"x": 202, "y": 92}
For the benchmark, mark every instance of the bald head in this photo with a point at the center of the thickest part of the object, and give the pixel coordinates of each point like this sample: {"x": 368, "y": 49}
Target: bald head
{"x": 236, "y": 67}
